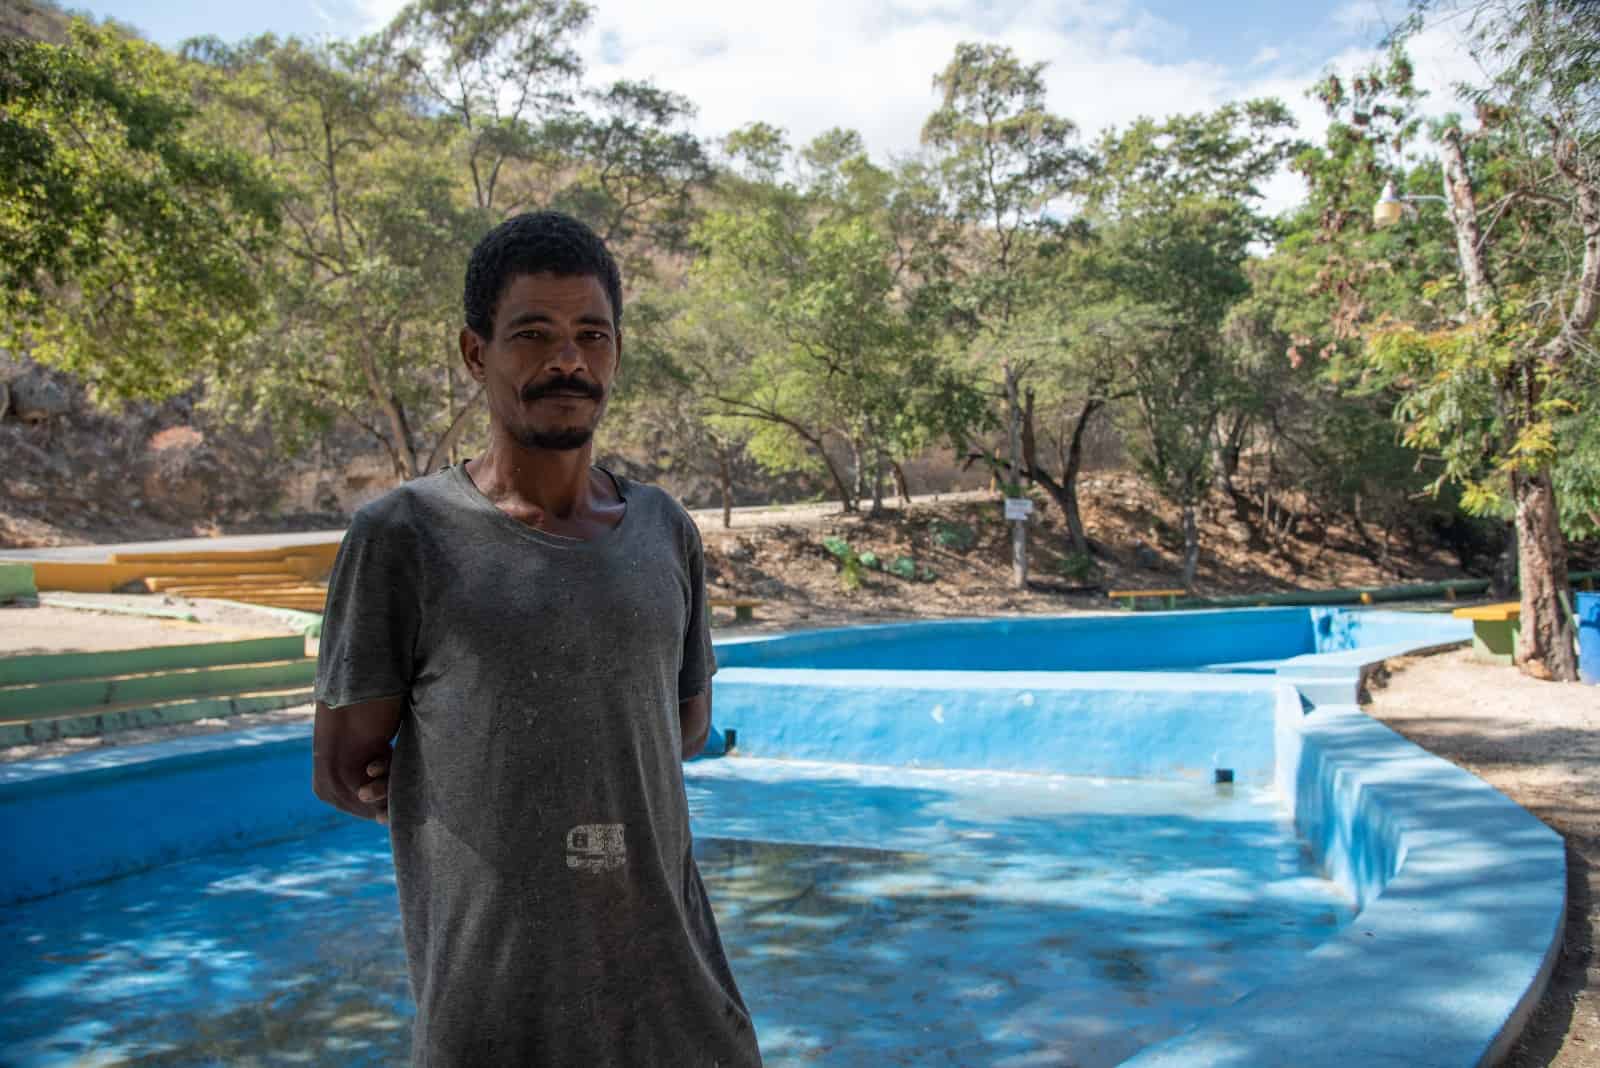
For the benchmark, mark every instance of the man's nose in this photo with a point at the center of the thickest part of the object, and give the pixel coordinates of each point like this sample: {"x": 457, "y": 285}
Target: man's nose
{"x": 568, "y": 357}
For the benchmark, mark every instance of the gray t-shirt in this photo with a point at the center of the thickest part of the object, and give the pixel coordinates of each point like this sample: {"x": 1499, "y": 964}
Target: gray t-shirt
{"x": 553, "y": 912}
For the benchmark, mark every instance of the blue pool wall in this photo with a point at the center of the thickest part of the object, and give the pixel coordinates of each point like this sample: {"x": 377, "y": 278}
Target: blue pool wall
{"x": 1128, "y": 641}
{"x": 99, "y": 815}
{"x": 1462, "y": 898}
{"x": 1461, "y": 893}
{"x": 1121, "y": 725}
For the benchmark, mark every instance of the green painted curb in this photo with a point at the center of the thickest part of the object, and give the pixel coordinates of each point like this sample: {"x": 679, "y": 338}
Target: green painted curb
{"x": 85, "y": 724}
{"x": 16, "y": 580}
{"x": 54, "y": 667}
{"x": 307, "y": 623}
{"x": 67, "y": 600}
{"x": 81, "y": 695}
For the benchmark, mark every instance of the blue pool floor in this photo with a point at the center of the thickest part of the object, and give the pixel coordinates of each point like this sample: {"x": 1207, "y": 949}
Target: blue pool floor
{"x": 874, "y": 916}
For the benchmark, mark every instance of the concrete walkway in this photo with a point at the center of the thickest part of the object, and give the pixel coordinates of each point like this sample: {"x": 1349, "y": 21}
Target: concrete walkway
{"x": 228, "y": 543}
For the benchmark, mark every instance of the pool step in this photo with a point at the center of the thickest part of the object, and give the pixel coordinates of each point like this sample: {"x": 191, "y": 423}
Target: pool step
{"x": 55, "y": 667}
{"x": 32, "y": 701}
{"x": 113, "y": 718}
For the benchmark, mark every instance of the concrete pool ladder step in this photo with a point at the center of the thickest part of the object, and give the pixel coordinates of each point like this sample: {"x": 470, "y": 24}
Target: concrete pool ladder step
{"x": 59, "y": 695}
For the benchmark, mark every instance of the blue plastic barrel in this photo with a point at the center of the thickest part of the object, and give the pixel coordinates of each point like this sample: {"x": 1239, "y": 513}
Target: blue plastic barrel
{"x": 1589, "y": 638}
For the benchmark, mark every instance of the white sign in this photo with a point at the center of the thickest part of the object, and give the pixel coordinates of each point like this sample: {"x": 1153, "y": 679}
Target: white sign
{"x": 1018, "y": 508}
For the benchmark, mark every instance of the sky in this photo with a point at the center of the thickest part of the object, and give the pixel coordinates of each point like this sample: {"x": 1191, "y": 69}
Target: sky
{"x": 809, "y": 65}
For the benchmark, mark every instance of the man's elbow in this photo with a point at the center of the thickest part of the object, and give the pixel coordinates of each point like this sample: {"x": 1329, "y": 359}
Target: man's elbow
{"x": 693, "y": 747}
{"x": 694, "y": 717}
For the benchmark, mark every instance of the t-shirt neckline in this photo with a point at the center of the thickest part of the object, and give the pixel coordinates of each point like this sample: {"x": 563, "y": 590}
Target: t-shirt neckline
{"x": 479, "y": 501}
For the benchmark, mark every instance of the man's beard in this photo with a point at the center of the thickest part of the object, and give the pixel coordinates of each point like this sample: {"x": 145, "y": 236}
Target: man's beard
{"x": 567, "y": 438}
{"x": 563, "y": 440}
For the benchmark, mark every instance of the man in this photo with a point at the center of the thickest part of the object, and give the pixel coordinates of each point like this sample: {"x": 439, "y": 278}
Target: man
{"x": 534, "y": 629}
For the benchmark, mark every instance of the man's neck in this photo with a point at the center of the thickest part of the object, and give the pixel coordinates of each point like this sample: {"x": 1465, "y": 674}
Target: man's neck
{"x": 553, "y": 483}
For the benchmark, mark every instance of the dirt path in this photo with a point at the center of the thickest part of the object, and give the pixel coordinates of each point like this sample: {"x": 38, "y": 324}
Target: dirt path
{"x": 1539, "y": 744}
{"x": 32, "y": 628}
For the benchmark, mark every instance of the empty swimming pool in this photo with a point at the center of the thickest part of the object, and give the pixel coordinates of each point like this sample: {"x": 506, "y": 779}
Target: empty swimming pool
{"x": 874, "y": 915}
{"x": 1201, "y": 857}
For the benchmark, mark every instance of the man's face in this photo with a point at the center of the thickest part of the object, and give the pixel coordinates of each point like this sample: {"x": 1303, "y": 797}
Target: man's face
{"x": 549, "y": 367}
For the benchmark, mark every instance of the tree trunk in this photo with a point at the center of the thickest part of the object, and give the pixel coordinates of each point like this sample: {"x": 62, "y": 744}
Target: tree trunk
{"x": 446, "y": 448}
{"x": 858, "y": 469}
{"x": 1019, "y": 528}
{"x": 1065, "y": 492}
{"x": 725, "y": 483}
{"x": 1463, "y": 205}
{"x": 901, "y": 485}
{"x": 1545, "y": 644}
{"x": 877, "y": 481}
{"x": 401, "y": 448}
{"x": 1229, "y": 447}
{"x": 1191, "y": 546}
{"x": 1069, "y": 476}
{"x": 846, "y": 500}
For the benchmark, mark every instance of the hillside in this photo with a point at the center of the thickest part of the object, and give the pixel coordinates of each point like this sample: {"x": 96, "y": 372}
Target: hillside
{"x": 75, "y": 474}
{"x": 960, "y": 549}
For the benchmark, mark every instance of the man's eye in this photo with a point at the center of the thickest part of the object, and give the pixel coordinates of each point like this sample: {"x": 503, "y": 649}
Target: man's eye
{"x": 594, "y": 335}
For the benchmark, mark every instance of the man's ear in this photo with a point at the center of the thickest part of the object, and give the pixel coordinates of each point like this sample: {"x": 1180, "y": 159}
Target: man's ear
{"x": 472, "y": 352}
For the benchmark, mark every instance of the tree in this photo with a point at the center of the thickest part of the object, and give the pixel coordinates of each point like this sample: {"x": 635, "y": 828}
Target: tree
{"x": 1004, "y": 160}
{"x": 633, "y": 169}
{"x": 1322, "y": 448}
{"x": 128, "y": 239}
{"x": 365, "y": 278}
{"x": 1173, "y": 209}
{"x": 683, "y": 347}
{"x": 1502, "y": 368}
{"x": 496, "y": 70}
{"x": 817, "y": 337}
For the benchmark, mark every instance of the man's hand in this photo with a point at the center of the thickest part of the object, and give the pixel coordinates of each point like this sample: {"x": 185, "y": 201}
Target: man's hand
{"x": 375, "y": 791}
{"x": 350, "y": 756}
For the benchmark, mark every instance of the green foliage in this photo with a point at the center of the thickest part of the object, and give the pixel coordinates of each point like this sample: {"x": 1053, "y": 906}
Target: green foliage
{"x": 128, "y": 238}
{"x": 850, "y": 562}
{"x": 904, "y": 567}
{"x": 958, "y": 536}
{"x": 1078, "y": 567}
{"x": 837, "y": 547}
{"x": 869, "y": 560}
{"x": 365, "y": 285}
{"x": 830, "y": 345}
{"x": 1482, "y": 391}
{"x": 1577, "y": 475}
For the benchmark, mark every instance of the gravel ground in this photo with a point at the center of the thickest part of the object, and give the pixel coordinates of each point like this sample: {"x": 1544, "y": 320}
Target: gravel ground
{"x": 1539, "y": 744}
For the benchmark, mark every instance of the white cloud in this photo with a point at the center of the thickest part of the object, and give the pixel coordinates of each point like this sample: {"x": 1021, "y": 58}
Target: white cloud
{"x": 809, "y": 65}
{"x": 870, "y": 65}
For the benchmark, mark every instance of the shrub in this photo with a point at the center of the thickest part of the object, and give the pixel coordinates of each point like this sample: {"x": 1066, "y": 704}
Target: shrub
{"x": 1079, "y": 567}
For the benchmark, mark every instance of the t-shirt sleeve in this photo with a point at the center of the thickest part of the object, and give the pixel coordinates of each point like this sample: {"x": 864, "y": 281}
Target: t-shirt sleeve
{"x": 369, "y": 628}
{"x": 699, "y": 660}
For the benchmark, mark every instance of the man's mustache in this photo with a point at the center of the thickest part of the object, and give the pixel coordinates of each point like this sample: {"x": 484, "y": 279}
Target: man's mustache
{"x": 575, "y": 386}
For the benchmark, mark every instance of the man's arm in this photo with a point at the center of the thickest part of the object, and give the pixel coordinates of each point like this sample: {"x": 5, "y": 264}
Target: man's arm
{"x": 695, "y": 717}
{"x": 350, "y": 755}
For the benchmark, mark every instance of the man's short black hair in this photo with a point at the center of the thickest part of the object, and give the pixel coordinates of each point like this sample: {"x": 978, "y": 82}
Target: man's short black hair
{"x": 536, "y": 243}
